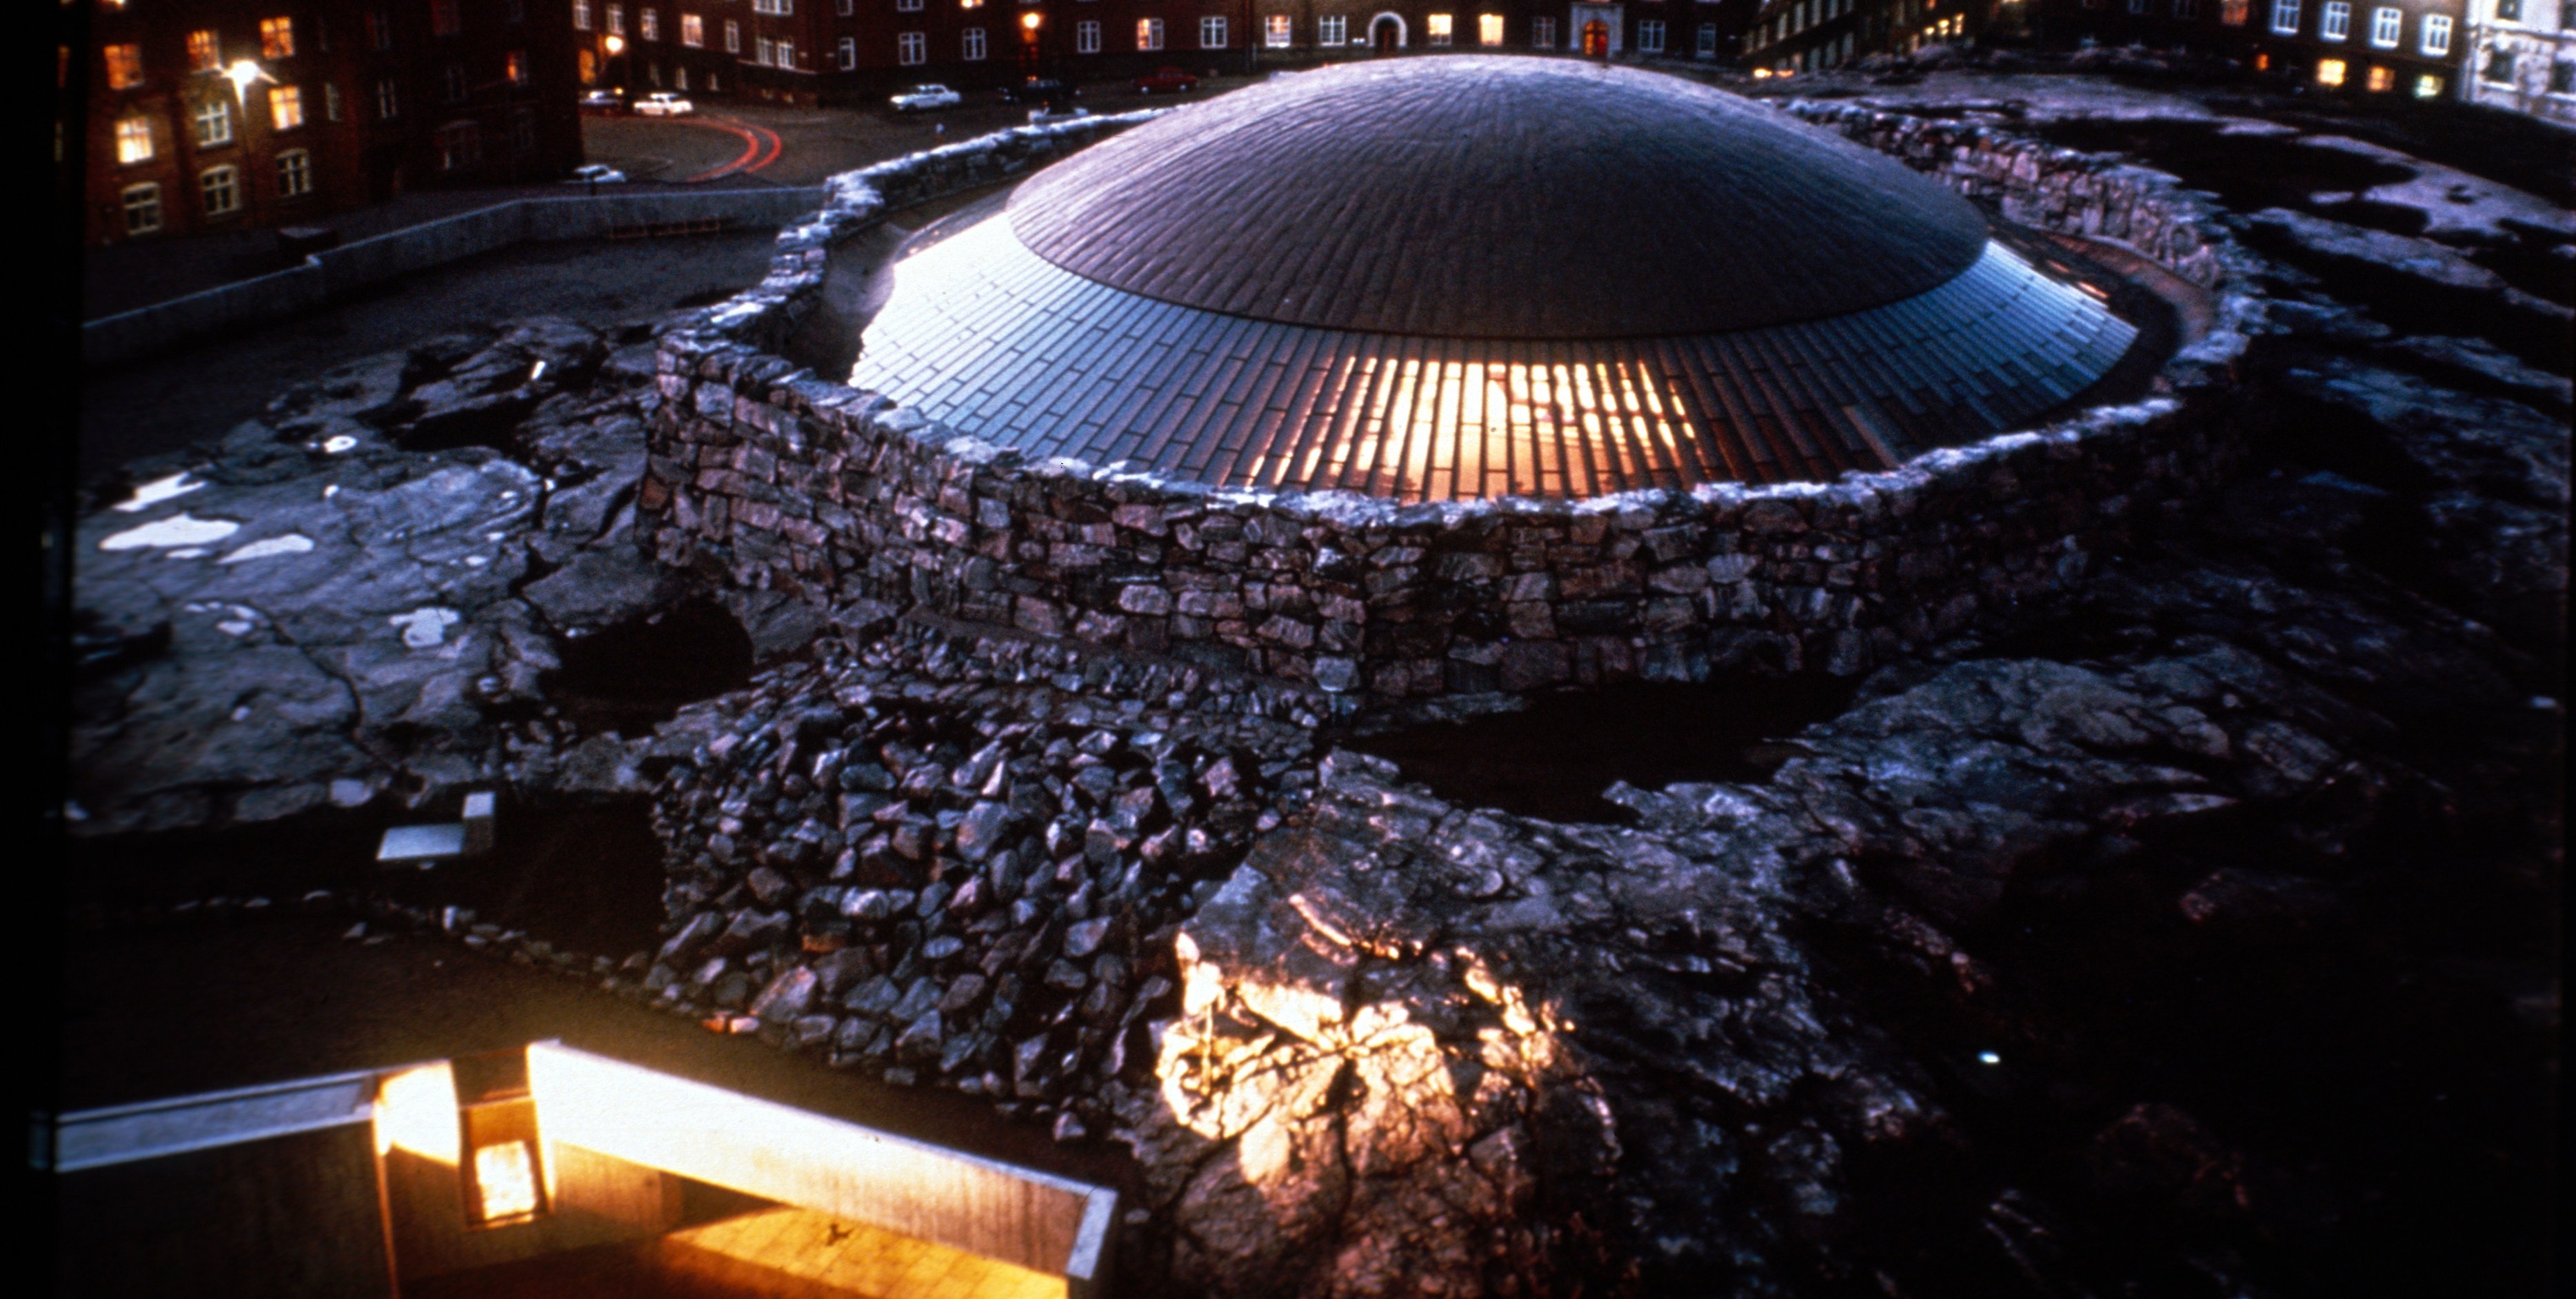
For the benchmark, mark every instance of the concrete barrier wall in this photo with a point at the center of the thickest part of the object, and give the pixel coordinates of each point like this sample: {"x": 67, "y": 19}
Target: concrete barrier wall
{"x": 333, "y": 273}
{"x": 1018, "y": 1216}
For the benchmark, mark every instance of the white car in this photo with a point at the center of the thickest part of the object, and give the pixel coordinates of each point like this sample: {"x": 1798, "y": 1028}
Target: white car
{"x": 921, "y": 97}
{"x": 662, "y": 103}
{"x": 596, "y": 173}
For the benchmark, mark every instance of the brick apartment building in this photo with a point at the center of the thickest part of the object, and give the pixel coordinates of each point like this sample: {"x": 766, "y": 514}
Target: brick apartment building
{"x": 855, "y": 51}
{"x": 2521, "y": 56}
{"x": 216, "y": 114}
{"x": 2410, "y": 47}
{"x": 1793, "y": 36}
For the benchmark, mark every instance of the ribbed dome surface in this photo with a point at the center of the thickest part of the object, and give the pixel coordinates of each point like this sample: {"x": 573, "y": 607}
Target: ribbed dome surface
{"x": 1497, "y": 198}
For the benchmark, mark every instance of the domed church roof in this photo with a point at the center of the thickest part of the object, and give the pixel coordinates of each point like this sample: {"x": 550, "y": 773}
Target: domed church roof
{"x": 1467, "y": 276}
{"x": 1481, "y": 197}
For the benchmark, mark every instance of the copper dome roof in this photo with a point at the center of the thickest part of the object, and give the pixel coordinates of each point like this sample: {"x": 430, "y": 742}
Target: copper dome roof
{"x": 1458, "y": 277}
{"x": 1496, "y": 197}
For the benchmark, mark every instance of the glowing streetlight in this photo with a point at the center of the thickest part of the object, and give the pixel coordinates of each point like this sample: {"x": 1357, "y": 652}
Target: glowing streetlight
{"x": 241, "y": 74}
{"x": 616, "y": 45}
{"x": 1029, "y": 22}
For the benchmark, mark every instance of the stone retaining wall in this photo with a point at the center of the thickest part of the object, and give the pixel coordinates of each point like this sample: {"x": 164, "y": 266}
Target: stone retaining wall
{"x": 764, "y": 475}
{"x": 334, "y": 273}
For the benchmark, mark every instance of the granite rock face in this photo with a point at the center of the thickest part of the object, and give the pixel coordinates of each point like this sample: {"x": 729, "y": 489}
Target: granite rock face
{"x": 342, "y": 600}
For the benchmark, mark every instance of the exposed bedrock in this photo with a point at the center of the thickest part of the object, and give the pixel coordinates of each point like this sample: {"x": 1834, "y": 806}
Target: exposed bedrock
{"x": 1430, "y": 1049}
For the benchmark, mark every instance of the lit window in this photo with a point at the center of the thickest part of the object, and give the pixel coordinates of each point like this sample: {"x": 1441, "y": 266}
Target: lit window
{"x": 1435, "y": 29}
{"x": 205, "y": 52}
{"x": 142, "y": 209}
{"x": 443, "y": 19}
{"x": 581, "y": 15}
{"x": 782, "y": 8}
{"x": 911, "y": 48}
{"x": 733, "y": 38}
{"x": 2381, "y": 78}
{"x": 505, "y": 1179}
{"x": 970, "y": 4}
{"x": 2233, "y": 12}
{"x": 1542, "y": 33}
{"x": 514, "y": 65}
{"x": 649, "y": 24}
{"x": 974, "y": 44}
{"x": 1489, "y": 29}
{"x": 761, "y": 51}
{"x": 221, "y": 188}
{"x": 2499, "y": 68}
{"x": 1650, "y": 38}
{"x": 388, "y": 100}
{"x": 380, "y": 26}
{"x": 134, "y": 139}
{"x": 588, "y": 63}
{"x": 2336, "y": 22}
{"x": 285, "y": 107}
{"x": 1277, "y": 30}
{"x": 617, "y": 20}
{"x": 460, "y": 145}
{"x": 1332, "y": 30}
{"x": 680, "y": 75}
{"x": 849, "y": 55}
{"x": 2387, "y": 26}
{"x": 294, "y": 173}
{"x": 786, "y": 54}
{"x": 277, "y": 38}
{"x": 2437, "y": 38}
{"x": 2285, "y": 17}
{"x": 693, "y": 31}
{"x": 214, "y": 122}
{"x": 1086, "y": 38}
{"x": 2329, "y": 72}
{"x": 2428, "y": 86}
{"x": 1212, "y": 33}
{"x": 1149, "y": 33}
{"x": 125, "y": 69}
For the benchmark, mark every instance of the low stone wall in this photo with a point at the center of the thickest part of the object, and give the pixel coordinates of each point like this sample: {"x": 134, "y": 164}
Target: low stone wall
{"x": 334, "y": 273}
{"x": 764, "y": 475}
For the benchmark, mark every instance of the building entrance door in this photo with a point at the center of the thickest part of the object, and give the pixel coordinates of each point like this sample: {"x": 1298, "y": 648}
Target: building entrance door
{"x": 1387, "y": 35}
{"x": 1596, "y": 39}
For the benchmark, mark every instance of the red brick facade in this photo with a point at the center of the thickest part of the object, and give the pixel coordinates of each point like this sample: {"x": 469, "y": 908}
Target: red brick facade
{"x": 334, "y": 103}
{"x": 856, "y": 51}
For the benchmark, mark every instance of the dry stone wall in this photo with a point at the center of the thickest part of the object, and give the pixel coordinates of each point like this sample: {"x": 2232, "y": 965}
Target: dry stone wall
{"x": 768, "y": 476}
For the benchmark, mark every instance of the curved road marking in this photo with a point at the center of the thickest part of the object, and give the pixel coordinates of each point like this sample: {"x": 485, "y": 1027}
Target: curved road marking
{"x": 760, "y": 147}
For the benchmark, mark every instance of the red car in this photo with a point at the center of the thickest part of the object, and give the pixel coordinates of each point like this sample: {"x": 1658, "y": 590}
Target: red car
{"x": 1166, "y": 80}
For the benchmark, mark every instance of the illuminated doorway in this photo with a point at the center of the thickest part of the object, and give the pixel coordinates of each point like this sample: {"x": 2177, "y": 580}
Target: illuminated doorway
{"x": 1596, "y": 39}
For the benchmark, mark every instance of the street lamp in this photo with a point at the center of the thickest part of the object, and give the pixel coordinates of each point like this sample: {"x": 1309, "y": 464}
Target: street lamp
{"x": 615, "y": 45}
{"x": 1029, "y": 24}
{"x": 241, "y": 74}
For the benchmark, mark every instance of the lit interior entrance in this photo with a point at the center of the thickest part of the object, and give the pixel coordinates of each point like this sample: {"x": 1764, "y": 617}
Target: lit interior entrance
{"x": 1596, "y": 39}
{"x": 548, "y": 1172}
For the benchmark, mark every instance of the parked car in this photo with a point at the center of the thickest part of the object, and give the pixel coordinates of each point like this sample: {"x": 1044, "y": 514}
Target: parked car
{"x": 603, "y": 101}
{"x": 922, "y": 97}
{"x": 1039, "y": 90}
{"x": 1042, "y": 116}
{"x": 596, "y": 173}
{"x": 662, "y": 103}
{"x": 1166, "y": 81}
